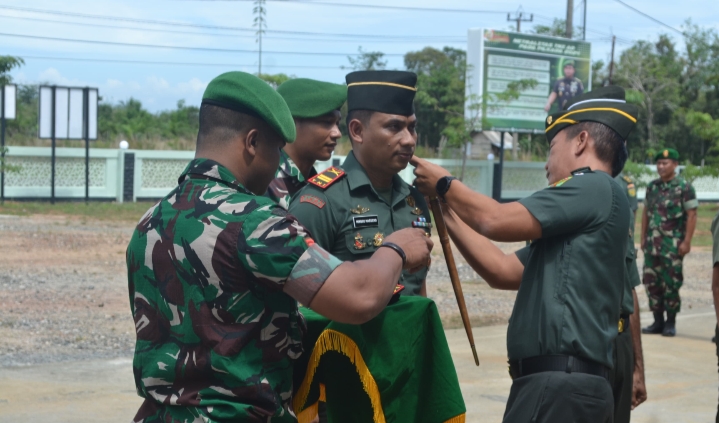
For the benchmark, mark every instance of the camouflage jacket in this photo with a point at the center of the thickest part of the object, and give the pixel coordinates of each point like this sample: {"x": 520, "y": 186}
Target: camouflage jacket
{"x": 214, "y": 275}
{"x": 288, "y": 180}
{"x": 666, "y": 204}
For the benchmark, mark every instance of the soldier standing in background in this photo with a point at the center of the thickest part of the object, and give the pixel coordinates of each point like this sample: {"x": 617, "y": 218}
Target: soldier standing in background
{"x": 627, "y": 376}
{"x": 565, "y": 88}
{"x": 668, "y": 223}
{"x": 315, "y": 108}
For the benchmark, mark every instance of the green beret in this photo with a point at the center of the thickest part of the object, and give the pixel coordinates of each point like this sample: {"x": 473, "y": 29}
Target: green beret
{"x": 246, "y": 93}
{"x": 569, "y": 63}
{"x": 606, "y": 105}
{"x": 390, "y": 92}
{"x": 667, "y": 153}
{"x": 308, "y": 98}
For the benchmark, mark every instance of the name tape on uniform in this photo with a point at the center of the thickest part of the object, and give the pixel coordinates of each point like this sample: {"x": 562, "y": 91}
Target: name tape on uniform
{"x": 365, "y": 221}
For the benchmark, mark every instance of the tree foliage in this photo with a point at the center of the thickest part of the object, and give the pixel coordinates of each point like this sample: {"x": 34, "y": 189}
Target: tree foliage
{"x": 8, "y": 63}
{"x": 367, "y": 60}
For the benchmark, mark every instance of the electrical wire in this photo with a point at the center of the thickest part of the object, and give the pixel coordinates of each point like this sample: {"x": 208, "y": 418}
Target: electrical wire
{"x": 143, "y": 62}
{"x": 649, "y": 17}
{"x": 373, "y": 6}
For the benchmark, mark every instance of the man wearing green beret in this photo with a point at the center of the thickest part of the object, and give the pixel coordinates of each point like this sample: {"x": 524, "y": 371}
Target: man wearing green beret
{"x": 350, "y": 210}
{"x": 668, "y": 223}
{"x": 571, "y": 277}
{"x": 565, "y": 88}
{"x": 315, "y": 108}
{"x": 215, "y": 272}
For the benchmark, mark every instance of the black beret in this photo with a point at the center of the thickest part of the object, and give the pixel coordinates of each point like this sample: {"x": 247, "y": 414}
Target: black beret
{"x": 390, "y": 92}
{"x": 606, "y": 105}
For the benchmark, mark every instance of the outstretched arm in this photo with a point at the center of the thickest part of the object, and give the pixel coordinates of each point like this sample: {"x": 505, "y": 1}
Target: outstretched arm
{"x": 639, "y": 387}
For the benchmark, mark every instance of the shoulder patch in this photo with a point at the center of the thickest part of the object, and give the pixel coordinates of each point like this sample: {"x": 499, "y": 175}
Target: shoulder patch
{"x": 327, "y": 177}
{"x": 627, "y": 179}
{"x": 560, "y": 183}
{"x": 315, "y": 201}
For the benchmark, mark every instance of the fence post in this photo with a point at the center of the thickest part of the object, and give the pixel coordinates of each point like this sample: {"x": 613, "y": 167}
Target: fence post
{"x": 128, "y": 177}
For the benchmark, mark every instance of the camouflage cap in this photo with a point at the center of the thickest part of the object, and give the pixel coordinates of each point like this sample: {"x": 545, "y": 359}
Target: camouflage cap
{"x": 667, "y": 153}
{"x": 308, "y": 98}
{"x": 249, "y": 94}
{"x": 606, "y": 105}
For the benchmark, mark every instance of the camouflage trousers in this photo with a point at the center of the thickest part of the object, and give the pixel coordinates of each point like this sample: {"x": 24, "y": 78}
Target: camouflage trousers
{"x": 662, "y": 278}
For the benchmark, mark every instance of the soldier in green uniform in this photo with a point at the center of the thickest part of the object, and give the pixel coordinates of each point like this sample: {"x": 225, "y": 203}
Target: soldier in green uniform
{"x": 315, "y": 107}
{"x": 215, "y": 272}
{"x": 668, "y": 223}
{"x": 715, "y": 282}
{"x": 571, "y": 277}
{"x": 627, "y": 377}
{"x": 565, "y": 88}
{"x": 350, "y": 210}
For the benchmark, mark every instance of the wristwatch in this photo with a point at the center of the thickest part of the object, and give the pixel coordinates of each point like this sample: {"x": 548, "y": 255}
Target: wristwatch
{"x": 443, "y": 185}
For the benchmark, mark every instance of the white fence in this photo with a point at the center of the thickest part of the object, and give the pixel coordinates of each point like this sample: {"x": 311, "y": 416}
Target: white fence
{"x": 131, "y": 175}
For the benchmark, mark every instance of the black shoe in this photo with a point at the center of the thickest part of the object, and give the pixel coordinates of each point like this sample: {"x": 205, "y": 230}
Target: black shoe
{"x": 658, "y": 326}
{"x": 670, "y": 326}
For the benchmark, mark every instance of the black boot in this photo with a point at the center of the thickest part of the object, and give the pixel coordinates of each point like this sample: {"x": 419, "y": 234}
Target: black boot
{"x": 670, "y": 328}
{"x": 658, "y": 326}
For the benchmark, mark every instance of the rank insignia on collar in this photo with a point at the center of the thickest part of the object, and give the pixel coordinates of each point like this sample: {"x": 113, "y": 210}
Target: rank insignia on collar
{"x": 359, "y": 242}
{"x": 417, "y": 211}
{"x": 327, "y": 178}
{"x": 359, "y": 210}
{"x": 378, "y": 239}
{"x": 410, "y": 201}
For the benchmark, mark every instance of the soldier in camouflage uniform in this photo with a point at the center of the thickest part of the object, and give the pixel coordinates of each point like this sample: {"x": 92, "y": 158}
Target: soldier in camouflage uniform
{"x": 215, "y": 272}
{"x": 315, "y": 108}
{"x": 668, "y": 222}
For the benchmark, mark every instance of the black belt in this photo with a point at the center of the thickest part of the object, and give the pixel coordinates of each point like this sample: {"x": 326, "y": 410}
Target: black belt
{"x": 556, "y": 363}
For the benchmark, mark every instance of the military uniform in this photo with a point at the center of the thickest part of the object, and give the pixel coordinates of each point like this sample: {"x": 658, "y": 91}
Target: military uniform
{"x": 666, "y": 203}
{"x": 715, "y": 262}
{"x": 566, "y": 89}
{"x": 622, "y": 376}
{"x": 214, "y": 275}
{"x": 288, "y": 181}
{"x": 564, "y": 322}
{"x": 349, "y": 218}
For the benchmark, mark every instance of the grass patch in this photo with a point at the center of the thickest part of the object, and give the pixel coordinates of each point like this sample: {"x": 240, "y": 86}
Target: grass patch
{"x": 702, "y": 234}
{"x": 122, "y": 212}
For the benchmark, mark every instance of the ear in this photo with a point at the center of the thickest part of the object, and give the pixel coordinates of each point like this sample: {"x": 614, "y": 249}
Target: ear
{"x": 355, "y": 130}
{"x": 251, "y": 141}
{"x": 582, "y": 143}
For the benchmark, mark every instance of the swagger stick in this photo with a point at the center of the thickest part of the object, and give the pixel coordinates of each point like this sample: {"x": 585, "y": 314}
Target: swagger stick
{"x": 453, "y": 275}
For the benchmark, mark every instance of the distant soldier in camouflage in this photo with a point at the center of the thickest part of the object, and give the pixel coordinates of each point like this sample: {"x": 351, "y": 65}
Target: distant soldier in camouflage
{"x": 668, "y": 222}
{"x": 315, "y": 108}
{"x": 215, "y": 272}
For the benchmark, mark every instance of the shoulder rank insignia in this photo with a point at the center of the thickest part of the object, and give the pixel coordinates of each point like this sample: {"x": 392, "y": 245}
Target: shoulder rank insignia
{"x": 627, "y": 179}
{"x": 327, "y": 178}
{"x": 359, "y": 210}
{"x": 632, "y": 190}
{"x": 312, "y": 200}
{"x": 560, "y": 183}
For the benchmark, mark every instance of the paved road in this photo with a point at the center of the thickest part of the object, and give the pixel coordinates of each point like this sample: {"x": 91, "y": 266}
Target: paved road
{"x": 681, "y": 376}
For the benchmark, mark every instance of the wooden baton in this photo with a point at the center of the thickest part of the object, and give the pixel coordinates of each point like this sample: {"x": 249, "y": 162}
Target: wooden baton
{"x": 453, "y": 275}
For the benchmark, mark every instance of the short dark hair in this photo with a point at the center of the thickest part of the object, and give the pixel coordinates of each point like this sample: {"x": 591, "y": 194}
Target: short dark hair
{"x": 363, "y": 116}
{"x": 608, "y": 144}
{"x": 219, "y": 125}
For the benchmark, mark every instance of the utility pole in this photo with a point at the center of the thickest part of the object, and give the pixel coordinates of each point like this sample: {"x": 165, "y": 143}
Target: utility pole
{"x": 611, "y": 64}
{"x": 519, "y": 18}
{"x": 570, "y": 18}
{"x": 584, "y": 24}
{"x": 259, "y": 23}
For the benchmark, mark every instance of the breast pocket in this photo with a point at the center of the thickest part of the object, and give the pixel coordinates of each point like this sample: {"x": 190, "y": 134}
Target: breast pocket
{"x": 363, "y": 242}
{"x": 562, "y": 270}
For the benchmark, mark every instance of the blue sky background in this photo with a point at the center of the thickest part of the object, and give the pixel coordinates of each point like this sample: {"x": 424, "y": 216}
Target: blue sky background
{"x": 393, "y": 32}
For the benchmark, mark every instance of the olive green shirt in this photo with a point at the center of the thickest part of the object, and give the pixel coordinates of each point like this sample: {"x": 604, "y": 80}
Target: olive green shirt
{"x": 347, "y": 217}
{"x": 632, "y": 278}
{"x": 574, "y": 275}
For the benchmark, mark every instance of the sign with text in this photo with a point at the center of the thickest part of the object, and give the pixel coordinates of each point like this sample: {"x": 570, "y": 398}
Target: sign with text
{"x": 70, "y": 111}
{"x": 553, "y": 69}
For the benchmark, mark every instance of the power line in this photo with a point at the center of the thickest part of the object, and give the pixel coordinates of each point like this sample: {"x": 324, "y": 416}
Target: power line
{"x": 375, "y": 6}
{"x": 649, "y": 17}
{"x": 143, "y": 62}
{"x": 215, "y": 27}
{"x": 223, "y": 50}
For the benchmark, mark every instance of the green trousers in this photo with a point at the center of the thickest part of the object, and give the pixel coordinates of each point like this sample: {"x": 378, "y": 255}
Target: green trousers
{"x": 559, "y": 397}
{"x": 622, "y": 376}
{"x": 663, "y": 277}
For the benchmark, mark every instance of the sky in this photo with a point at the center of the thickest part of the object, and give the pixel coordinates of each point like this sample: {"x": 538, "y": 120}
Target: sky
{"x": 292, "y": 27}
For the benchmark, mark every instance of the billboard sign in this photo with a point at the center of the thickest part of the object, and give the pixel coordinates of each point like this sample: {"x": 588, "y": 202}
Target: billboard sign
{"x": 8, "y": 100}
{"x": 558, "y": 68}
{"x": 73, "y": 111}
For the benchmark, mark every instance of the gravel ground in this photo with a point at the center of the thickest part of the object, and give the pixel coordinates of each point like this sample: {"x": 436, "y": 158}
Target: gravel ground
{"x": 63, "y": 290}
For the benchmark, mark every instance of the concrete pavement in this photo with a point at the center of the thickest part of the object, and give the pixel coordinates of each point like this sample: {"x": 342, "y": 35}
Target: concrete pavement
{"x": 681, "y": 377}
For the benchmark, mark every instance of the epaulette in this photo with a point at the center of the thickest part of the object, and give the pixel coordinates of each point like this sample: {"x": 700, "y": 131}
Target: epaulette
{"x": 327, "y": 177}
{"x": 627, "y": 179}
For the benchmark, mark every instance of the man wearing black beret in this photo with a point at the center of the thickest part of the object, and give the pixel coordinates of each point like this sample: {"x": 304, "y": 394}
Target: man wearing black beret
{"x": 571, "y": 277}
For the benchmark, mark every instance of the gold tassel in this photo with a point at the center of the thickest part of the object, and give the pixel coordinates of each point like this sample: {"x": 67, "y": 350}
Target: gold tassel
{"x": 458, "y": 419}
{"x": 331, "y": 340}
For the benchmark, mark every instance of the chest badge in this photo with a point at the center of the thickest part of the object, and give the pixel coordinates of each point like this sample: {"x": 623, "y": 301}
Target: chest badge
{"x": 359, "y": 242}
{"x": 378, "y": 239}
{"x": 417, "y": 211}
{"x": 421, "y": 222}
{"x": 359, "y": 210}
{"x": 410, "y": 201}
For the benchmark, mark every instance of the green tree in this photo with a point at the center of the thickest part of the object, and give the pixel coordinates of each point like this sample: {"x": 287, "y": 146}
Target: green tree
{"x": 275, "y": 80}
{"x": 558, "y": 28}
{"x": 8, "y": 63}
{"x": 367, "y": 60}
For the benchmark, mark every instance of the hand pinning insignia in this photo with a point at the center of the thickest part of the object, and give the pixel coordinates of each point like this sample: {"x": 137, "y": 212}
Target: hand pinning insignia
{"x": 359, "y": 210}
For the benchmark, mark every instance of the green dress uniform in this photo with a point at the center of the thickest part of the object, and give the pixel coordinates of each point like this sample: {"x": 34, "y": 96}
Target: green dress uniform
{"x": 350, "y": 218}
{"x": 667, "y": 203}
{"x": 561, "y": 332}
{"x": 715, "y": 262}
{"x": 622, "y": 375}
{"x": 214, "y": 275}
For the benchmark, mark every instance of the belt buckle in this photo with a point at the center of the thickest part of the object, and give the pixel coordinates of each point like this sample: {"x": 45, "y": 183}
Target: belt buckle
{"x": 621, "y": 325}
